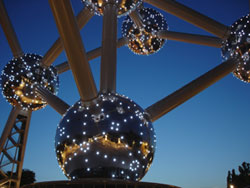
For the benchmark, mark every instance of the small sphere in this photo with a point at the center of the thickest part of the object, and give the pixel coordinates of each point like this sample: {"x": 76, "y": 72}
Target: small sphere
{"x": 110, "y": 137}
{"x": 237, "y": 46}
{"x": 144, "y": 41}
{"x": 19, "y": 77}
{"x": 123, "y": 6}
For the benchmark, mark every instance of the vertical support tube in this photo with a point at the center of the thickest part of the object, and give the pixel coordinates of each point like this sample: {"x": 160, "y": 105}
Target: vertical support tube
{"x": 70, "y": 35}
{"x": 8, "y": 126}
{"x": 9, "y": 32}
{"x": 109, "y": 43}
{"x": 22, "y": 148}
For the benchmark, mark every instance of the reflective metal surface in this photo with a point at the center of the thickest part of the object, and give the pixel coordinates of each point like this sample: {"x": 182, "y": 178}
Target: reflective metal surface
{"x": 110, "y": 137}
{"x": 237, "y": 46}
{"x": 144, "y": 41}
{"x": 19, "y": 76}
{"x": 124, "y": 6}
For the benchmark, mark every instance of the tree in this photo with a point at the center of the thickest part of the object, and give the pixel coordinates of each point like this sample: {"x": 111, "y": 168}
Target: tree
{"x": 241, "y": 180}
{"x": 28, "y": 176}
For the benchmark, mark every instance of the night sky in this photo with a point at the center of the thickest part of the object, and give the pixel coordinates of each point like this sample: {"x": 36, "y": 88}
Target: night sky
{"x": 197, "y": 143}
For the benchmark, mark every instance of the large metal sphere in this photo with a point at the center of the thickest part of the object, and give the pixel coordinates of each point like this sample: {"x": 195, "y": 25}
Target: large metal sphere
{"x": 110, "y": 137}
{"x": 237, "y": 46}
{"x": 144, "y": 41}
{"x": 18, "y": 79}
{"x": 123, "y": 6}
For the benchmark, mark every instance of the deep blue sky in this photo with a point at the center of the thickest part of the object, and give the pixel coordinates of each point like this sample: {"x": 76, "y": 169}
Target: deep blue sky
{"x": 197, "y": 143}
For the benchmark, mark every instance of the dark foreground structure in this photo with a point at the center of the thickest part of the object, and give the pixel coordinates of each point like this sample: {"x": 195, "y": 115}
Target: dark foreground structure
{"x": 97, "y": 183}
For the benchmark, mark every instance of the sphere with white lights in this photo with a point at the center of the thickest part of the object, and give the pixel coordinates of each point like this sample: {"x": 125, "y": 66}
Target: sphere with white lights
{"x": 238, "y": 46}
{"x": 123, "y": 6}
{"x": 19, "y": 77}
{"x": 110, "y": 137}
{"x": 144, "y": 41}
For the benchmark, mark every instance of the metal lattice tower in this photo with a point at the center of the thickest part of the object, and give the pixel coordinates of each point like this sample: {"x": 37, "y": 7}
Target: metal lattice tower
{"x": 14, "y": 136}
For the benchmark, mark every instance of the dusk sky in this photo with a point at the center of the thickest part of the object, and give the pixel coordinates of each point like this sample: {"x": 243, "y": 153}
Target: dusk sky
{"x": 197, "y": 143}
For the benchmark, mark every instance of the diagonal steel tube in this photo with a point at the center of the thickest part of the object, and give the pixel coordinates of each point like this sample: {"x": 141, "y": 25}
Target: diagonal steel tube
{"x": 9, "y": 32}
{"x": 191, "y": 38}
{"x": 180, "y": 96}
{"x": 70, "y": 35}
{"x": 55, "y": 102}
{"x": 192, "y": 16}
{"x": 136, "y": 17}
{"x": 63, "y": 67}
{"x": 82, "y": 19}
{"x": 109, "y": 53}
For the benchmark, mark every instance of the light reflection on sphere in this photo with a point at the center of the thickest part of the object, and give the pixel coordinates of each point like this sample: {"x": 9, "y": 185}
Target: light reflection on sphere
{"x": 143, "y": 41}
{"x": 124, "y": 6}
{"x": 237, "y": 46}
{"x": 19, "y": 76}
{"x": 111, "y": 137}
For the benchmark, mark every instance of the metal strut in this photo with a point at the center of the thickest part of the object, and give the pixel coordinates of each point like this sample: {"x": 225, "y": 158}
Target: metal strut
{"x": 12, "y": 152}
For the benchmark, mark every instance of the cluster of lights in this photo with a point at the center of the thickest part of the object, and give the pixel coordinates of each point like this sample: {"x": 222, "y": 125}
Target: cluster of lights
{"x": 110, "y": 137}
{"x": 144, "y": 41}
{"x": 19, "y": 78}
{"x": 123, "y": 6}
{"x": 238, "y": 46}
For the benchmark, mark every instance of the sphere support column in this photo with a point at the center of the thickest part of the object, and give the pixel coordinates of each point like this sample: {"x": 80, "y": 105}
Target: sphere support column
{"x": 13, "y": 144}
{"x": 109, "y": 43}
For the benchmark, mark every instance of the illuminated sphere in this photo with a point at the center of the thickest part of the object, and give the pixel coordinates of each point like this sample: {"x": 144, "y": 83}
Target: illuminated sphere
{"x": 124, "y": 6}
{"x": 237, "y": 46}
{"x": 143, "y": 41}
{"x": 19, "y": 76}
{"x": 110, "y": 137}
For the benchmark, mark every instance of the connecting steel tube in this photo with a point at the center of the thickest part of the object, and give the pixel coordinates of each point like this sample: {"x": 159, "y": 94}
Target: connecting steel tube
{"x": 180, "y": 96}
{"x": 63, "y": 67}
{"x": 82, "y": 19}
{"x": 191, "y": 38}
{"x": 192, "y": 16}
{"x": 55, "y": 102}
{"x": 136, "y": 17}
{"x": 70, "y": 35}
{"x": 9, "y": 32}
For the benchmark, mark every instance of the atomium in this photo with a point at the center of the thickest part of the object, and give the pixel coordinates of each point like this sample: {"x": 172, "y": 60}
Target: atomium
{"x": 124, "y": 6}
{"x": 144, "y": 41}
{"x": 237, "y": 46}
{"x": 19, "y": 78}
{"x": 107, "y": 135}
{"x": 110, "y": 137}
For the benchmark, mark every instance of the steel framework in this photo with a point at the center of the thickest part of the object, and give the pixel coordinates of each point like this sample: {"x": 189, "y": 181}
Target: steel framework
{"x": 15, "y": 133}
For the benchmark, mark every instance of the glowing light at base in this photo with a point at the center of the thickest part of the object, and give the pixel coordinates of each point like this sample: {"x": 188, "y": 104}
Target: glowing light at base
{"x": 237, "y": 46}
{"x": 19, "y": 77}
{"x": 110, "y": 137}
{"x": 143, "y": 41}
{"x": 123, "y": 6}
